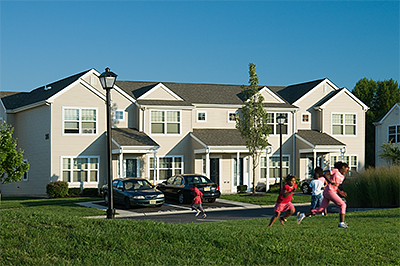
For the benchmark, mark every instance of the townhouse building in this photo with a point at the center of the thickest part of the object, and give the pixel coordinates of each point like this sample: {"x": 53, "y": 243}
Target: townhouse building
{"x": 161, "y": 128}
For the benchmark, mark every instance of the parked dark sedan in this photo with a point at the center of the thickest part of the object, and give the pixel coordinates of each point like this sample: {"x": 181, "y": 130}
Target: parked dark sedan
{"x": 134, "y": 192}
{"x": 179, "y": 187}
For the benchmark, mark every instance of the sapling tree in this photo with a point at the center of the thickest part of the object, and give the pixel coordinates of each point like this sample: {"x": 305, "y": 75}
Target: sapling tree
{"x": 390, "y": 152}
{"x": 12, "y": 164}
{"x": 252, "y": 123}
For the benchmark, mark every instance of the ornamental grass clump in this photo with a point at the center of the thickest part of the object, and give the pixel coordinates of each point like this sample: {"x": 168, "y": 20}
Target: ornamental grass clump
{"x": 375, "y": 187}
{"x": 57, "y": 189}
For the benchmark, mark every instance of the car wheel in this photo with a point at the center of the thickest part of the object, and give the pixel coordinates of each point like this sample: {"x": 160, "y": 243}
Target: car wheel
{"x": 181, "y": 198}
{"x": 127, "y": 203}
{"x": 305, "y": 189}
{"x": 106, "y": 198}
{"x": 211, "y": 200}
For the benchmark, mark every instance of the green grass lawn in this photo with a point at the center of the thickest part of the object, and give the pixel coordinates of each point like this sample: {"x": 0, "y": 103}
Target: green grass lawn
{"x": 57, "y": 234}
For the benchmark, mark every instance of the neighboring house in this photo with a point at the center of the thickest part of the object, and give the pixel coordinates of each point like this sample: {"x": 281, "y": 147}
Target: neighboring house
{"x": 162, "y": 129}
{"x": 387, "y": 129}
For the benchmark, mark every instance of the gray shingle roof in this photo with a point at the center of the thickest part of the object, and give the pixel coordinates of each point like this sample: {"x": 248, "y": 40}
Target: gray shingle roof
{"x": 131, "y": 137}
{"x": 294, "y": 92}
{"x": 319, "y": 138}
{"x": 219, "y": 137}
{"x": 40, "y": 94}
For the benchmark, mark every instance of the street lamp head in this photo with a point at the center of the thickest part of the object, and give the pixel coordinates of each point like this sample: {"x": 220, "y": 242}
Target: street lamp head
{"x": 281, "y": 119}
{"x": 107, "y": 79}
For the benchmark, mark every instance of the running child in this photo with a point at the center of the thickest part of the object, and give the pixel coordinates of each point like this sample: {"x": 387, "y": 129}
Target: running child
{"x": 317, "y": 185}
{"x": 331, "y": 194}
{"x": 283, "y": 203}
{"x": 197, "y": 203}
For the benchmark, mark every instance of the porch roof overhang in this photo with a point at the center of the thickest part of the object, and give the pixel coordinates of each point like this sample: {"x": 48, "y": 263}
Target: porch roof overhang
{"x": 129, "y": 140}
{"x": 319, "y": 142}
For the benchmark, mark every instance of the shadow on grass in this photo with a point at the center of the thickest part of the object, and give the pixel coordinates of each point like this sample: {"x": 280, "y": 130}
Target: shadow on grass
{"x": 32, "y": 202}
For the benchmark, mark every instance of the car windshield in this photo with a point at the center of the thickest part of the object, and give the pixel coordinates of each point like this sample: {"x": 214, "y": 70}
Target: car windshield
{"x": 137, "y": 184}
{"x": 198, "y": 179}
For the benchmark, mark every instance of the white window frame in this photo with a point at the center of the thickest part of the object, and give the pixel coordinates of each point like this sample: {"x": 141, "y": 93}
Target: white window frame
{"x": 173, "y": 168}
{"x": 229, "y": 116}
{"x": 71, "y": 169}
{"x": 348, "y": 158}
{"x": 396, "y": 133}
{"x": 278, "y": 167}
{"x": 276, "y": 125}
{"x": 115, "y": 115}
{"x": 165, "y": 123}
{"x": 80, "y": 121}
{"x": 25, "y": 177}
{"x": 343, "y": 124}
{"x": 308, "y": 117}
{"x": 205, "y": 116}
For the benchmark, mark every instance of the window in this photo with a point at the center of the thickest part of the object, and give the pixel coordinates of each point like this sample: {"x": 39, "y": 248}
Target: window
{"x": 201, "y": 116}
{"x": 232, "y": 116}
{"x": 305, "y": 118}
{"x": 165, "y": 122}
{"x": 167, "y": 167}
{"x": 25, "y": 176}
{"x": 344, "y": 124}
{"x": 118, "y": 115}
{"x": 273, "y": 124}
{"x": 351, "y": 160}
{"x": 274, "y": 167}
{"x": 394, "y": 134}
{"x": 80, "y": 169}
{"x": 80, "y": 121}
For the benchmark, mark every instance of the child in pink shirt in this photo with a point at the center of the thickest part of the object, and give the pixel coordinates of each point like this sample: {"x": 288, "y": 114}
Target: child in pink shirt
{"x": 331, "y": 194}
{"x": 283, "y": 202}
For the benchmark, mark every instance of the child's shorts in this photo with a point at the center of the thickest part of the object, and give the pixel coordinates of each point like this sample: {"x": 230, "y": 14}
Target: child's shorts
{"x": 282, "y": 207}
{"x": 316, "y": 200}
{"x": 197, "y": 206}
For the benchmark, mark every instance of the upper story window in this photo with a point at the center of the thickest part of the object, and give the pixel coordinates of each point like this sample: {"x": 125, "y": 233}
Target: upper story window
{"x": 165, "y": 122}
{"x": 394, "y": 134}
{"x": 344, "y": 124}
{"x": 273, "y": 124}
{"x": 80, "y": 120}
{"x": 305, "y": 118}
{"x": 118, "y": 115}
{"x": 201, "y": 116}
{"x": 232, "y": 117}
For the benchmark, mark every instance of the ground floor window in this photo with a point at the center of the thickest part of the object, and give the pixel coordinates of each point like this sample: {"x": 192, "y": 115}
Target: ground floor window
{"x": 351, "y": 160}
{"x": 274, "y": 167}
{"x": 80, "y": 169}
{"x": 166, "y": 167}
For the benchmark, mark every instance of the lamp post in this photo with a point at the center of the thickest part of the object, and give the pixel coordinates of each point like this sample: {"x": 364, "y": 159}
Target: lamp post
{"x": 281, "y": 120}
{"x": 107, "y": 80}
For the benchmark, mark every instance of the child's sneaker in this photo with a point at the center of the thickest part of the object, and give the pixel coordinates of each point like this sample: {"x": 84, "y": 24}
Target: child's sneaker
{"x": 197, "y": 213}
{"x": 204, "y": 216}
{"x": 300, "y": 217}
{"x": 343, "y": 225}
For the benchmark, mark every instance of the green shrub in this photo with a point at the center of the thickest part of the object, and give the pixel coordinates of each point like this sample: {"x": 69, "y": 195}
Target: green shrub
{"x": 91, "y": 192}
{"x": 57, "y": 189}
{"x": 74, "y": 191}
{"x": 374, "y": 187}
{"x": 241, "y": 188}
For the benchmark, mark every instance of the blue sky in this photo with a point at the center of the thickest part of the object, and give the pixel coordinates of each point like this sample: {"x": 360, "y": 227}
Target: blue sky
{"x": 199, "y": 41}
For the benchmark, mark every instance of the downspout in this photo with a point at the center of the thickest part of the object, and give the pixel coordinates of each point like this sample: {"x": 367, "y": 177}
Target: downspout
{"x": 237, "y": 170}
{"x": 121, "y": 160}
{"x": 155, "y": 168}
{"x": 143, "y": 109}
{"x": 208, "y": 162}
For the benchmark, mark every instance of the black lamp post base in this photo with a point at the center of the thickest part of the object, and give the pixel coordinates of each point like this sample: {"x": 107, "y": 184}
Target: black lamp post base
{"x": 110, "y": 213}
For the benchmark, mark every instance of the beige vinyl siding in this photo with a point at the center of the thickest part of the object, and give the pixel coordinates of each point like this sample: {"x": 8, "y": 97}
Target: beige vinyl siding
{"x": 160, "y": 94}
{"x": 215, "y": 118}
{"x": 120, "y": 102}
{"x": 382, "y": 134}
{"x": 355, "y": 144}
{"x": 78, "y": 145}
{"x": 268, "y": 98}
{"x": 306, "y": 106}
{"x": 31, "y": 128}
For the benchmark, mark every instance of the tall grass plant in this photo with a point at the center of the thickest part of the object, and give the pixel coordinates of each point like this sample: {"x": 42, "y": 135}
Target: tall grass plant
{"x": 375, "y": 187}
